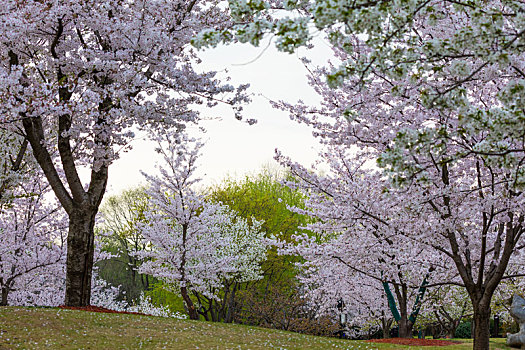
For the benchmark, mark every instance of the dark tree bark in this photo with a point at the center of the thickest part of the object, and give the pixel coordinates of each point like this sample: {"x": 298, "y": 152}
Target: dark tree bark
{"x": 482, "y": 280}
{"x": 404, "y": 324}
{"x": 230, "y": 312}
{"x": 386, "y": 324}
{"x": 405, "y": 327}
{"x": 79, "y": 263}
{"x": 481, "y": 327}
{"x": 80, "y": 205}
{"x": 192, "y": 311}
{"x": 5, "y": 293}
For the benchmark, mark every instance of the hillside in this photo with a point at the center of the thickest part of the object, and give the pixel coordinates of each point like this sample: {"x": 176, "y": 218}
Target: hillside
{"x": 52, "y": 328}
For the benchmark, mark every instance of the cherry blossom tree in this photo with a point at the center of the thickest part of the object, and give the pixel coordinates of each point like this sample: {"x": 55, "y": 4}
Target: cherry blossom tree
{"x": 360, "y": 230}
{"x": 195, "y": 246}
{"x": 446, "y": 307}
{"x": 238, "y": 250}
{"x": 434, "y": 90}
{"x": 470, "y": 200}
{"x": 80, "y": 76}
{"x": 32, "y": 244}
{"x": 331, "y": 288}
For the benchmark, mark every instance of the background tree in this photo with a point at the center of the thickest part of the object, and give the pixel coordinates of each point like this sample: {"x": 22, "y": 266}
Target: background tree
{"x": 32, "y": 248}
{"x": 446, "y": 308}
{"x": 263, "y": 197}
{"x": 331, "y": 289}
{"x": 121, "y": 216}
{"x": 246, "y": 248}
{"x": 13, "y": 161}
{"x": 360, "y": 229}
{"x": 195, "y": 246}
{"x": 79, "y": 76}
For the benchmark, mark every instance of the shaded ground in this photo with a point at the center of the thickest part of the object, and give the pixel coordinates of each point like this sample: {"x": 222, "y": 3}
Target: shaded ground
{"x": 415, "y": 342}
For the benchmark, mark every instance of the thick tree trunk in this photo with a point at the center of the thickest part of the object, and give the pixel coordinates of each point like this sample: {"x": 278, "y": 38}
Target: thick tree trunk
{"x": 80, "y": 251}
{"x": 405, "y": 327}
{"x": 481, "y": 332}
{"x": 189, "y": 304}
{"x": 5, "y": 293}
{"x": 386, "y": 333}
{"x": 451, "y": 332}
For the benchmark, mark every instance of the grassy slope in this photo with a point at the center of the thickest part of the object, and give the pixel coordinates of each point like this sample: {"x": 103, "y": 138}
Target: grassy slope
{"x": 39, "y": 328}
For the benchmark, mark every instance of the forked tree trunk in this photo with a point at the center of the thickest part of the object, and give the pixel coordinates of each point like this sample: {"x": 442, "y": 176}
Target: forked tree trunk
{"x": 405, "y": 327}
{"x": 405, "y": 322}
{"x": 386, "y": 333}
{"x": 80, "y": 205}
{"x": 80, "y": 252}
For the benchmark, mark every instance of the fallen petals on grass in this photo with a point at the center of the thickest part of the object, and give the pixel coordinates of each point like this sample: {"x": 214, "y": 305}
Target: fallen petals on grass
{"x": 93, "y": 308}
{"x": 416, "y": 342}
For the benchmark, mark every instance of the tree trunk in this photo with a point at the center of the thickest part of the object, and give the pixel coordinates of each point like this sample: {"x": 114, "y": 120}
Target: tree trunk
{"x": 3, "y": 300}
{"x": 386, "y": 333}
{"x": 405, "y": 327}
{"x": 451, "y": 332}
{"x": 215, "y": 314}
{"x": 80, "y": 251}
{"x": 231, "y": 306}
{"x": 481, "y": 332}
{"x": 80, "y": 205}
{"x": 385, "y": 325}
{"x": 451, "y": 328}
{"x": 189, "y": 304}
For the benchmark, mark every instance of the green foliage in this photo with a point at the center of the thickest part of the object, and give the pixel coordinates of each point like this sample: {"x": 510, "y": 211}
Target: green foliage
{"x": 161, "y": 296}
{"x": 464, "y": 330}
{"x": 263, "y": 197}
{"x": 119, "y": 236}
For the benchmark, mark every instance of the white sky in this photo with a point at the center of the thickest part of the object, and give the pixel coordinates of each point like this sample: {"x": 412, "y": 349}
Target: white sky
{"x": 235, "y": 148}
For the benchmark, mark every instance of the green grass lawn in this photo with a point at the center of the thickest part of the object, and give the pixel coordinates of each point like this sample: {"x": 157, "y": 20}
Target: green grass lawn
{"x": 51, "y": 328}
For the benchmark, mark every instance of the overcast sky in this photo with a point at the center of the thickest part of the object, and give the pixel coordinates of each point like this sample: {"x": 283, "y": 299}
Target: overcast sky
{"x": 235, "y": 148}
